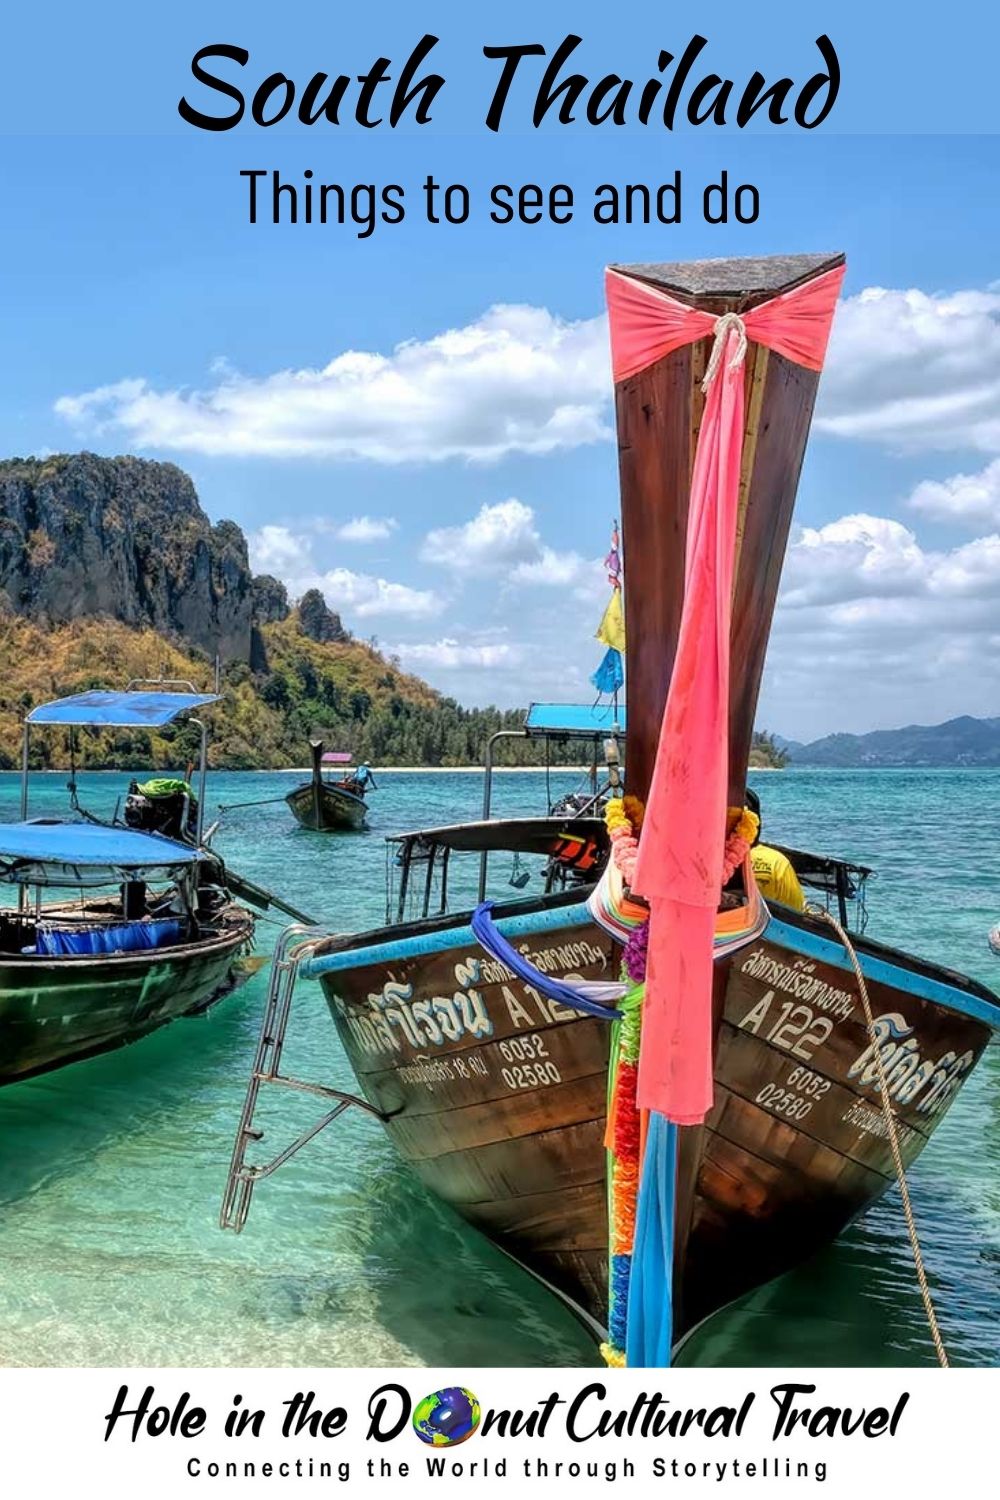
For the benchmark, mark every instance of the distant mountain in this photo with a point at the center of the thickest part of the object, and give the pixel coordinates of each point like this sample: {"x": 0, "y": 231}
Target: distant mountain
{"x": 958, "y": 742}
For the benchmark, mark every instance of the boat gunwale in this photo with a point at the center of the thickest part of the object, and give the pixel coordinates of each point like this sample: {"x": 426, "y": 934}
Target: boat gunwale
{"x": 33, "y": 963}
{"x": 326, "y": 786}
{"x": 927, "y": 981}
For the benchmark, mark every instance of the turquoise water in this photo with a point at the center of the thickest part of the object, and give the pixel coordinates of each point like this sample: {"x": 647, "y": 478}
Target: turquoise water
{"x": 111, "y": 1171}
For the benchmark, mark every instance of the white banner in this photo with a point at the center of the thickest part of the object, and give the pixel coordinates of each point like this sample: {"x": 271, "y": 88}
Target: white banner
{"x": 152, "y": 1433}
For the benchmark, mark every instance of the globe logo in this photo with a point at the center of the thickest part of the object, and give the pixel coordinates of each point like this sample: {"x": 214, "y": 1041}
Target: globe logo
{"x": 447, "y": 1417}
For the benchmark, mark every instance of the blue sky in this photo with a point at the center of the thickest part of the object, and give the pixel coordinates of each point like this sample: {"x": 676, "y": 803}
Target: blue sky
{"x": 143, "y": 313}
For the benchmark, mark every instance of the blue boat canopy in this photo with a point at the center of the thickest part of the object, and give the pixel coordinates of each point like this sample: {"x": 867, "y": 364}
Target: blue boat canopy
{"x": 138, "y": 710}
{"x": 575, "y": 719}
{"x": 47, "y": 853}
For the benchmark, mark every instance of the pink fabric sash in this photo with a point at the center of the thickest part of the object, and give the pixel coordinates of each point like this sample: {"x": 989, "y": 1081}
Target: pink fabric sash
{"x": 679, "y": 864}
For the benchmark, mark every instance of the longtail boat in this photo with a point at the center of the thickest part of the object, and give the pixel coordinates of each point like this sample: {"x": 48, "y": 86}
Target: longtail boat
{"x": 483, "y": 1038}
{"x": 152, "y": 932}
{"x": 326, "y": 806}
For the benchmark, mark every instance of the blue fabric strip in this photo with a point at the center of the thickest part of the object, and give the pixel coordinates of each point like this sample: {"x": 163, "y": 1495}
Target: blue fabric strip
{"x": 129, "y": 937}
{"x": 489, "y": 936}
{"x": 650, "y": 1303}
{"x": 610, "y": 674}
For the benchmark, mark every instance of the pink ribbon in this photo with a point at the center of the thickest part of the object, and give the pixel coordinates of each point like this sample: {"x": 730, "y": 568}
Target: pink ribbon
{"x": 680, "y": 858}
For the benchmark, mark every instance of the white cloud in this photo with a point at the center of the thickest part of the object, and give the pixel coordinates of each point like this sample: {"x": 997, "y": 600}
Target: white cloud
{"x": 871, "y": 621}
{"x": 874, "y": 630}
{"x": 858, "y": 556}
{"x": 448, "y": 654}
{"x": 507, "y": 664}
{"x": 503, "y": 539}
{"x": 289, "y": 555}
{"x": 500, "y": 537}
{"x": 914, "y": 370}
{"x": 516, "y": 380}
{"x": 872, "y": 566}
{"x": 277, "y": 550}
{"x": 906, "y": 368}
{"x": 970, "y": 572}
{"x": 973, "y": 498}
{"x": 366, "y": 529}
{"x": 362, "y": 595}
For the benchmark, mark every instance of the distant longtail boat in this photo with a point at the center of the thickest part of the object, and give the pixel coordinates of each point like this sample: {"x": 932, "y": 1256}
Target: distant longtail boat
{"x": 327, "y": 806}
{"x": 489, "y": 1064}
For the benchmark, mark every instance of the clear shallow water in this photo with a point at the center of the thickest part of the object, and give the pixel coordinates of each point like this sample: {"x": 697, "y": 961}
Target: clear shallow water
{"x": 111, "y": 1171}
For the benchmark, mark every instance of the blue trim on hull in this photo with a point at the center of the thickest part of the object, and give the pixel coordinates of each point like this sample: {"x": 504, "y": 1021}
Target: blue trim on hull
{"x": 797, "y": 939}
{"x": 438, "y": 942}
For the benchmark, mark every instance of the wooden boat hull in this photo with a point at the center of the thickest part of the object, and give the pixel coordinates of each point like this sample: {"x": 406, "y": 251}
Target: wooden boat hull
{"x": 327, "y": 808}
{"x": 59, "y": 1011}
{"x": 497, "y": 1095}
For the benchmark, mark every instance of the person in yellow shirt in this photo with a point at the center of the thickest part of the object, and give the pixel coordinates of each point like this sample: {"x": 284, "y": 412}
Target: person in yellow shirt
{"x": 776, "y": 879}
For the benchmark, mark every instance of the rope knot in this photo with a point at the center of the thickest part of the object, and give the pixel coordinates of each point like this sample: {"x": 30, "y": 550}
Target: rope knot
{"x": 728, "y": 323}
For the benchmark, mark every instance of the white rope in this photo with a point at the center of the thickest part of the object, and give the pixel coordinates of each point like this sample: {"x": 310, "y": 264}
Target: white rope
{"x": 893, "y": 1133}
{"x": 728, "y": 323}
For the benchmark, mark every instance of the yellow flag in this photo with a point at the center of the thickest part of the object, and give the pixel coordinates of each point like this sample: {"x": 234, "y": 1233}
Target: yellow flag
{"x": 611, "y": 631}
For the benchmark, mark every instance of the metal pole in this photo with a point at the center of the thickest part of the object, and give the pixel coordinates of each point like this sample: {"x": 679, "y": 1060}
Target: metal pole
{"x": 842, "y": 894}
{"x": 429, "y": 882}
{"x": 444, "y": 880}
{"x": 202, "y": 774}
{"x": 404, "y": 880}
{"x": 24, "y": 770}
{"x": 614, "y": 766}
{"x": 501, "y": 734}
{"x": 22, "y": 890}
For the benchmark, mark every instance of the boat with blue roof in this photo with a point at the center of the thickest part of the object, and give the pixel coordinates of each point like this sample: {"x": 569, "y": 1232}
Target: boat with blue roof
{"x": 114, "y": 930}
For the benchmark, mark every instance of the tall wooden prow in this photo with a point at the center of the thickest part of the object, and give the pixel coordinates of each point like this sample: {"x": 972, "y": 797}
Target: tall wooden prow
{"x": 316, "y": 756}
{"x": 658, "y": 415}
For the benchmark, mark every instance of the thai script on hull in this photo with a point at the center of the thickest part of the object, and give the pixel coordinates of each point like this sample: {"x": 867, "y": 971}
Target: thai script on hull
{"x": 910, "y": 1077}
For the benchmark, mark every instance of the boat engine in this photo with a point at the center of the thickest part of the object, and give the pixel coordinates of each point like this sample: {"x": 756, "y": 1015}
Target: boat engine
{"x": 164, "y": 805}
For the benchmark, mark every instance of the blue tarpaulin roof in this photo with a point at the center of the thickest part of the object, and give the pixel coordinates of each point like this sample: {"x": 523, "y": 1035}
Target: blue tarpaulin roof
{"x": 84, "y": 853}
{"x": 575, "y": 718}
{"x": 139, "y": 710}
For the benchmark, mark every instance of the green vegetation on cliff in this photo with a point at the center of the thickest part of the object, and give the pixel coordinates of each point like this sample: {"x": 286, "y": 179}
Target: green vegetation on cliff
{"x": 346, "y": 688}
{"x": 110, "y": 570}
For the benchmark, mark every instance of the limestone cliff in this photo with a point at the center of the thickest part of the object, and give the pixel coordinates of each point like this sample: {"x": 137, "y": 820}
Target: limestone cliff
{"x": 110, "y": 570}
{"x": 318, "y": 621}
{"x": 126, "y": 539}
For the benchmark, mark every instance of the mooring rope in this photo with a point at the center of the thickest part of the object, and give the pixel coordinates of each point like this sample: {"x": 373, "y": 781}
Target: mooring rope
{"x": 890, "y": 1121}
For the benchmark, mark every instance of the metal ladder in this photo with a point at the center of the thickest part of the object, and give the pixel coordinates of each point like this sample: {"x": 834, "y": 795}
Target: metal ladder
{"x": 295, "y": 945}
